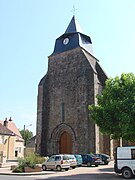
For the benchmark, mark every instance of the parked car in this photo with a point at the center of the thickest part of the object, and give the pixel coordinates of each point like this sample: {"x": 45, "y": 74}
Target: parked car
{"x": 78, "y": 159}
{"x": 72, "y": 160}
{"x": 105, "y": 158}
{"x": 90, "y": 159}
{"x": 57, "y": 162}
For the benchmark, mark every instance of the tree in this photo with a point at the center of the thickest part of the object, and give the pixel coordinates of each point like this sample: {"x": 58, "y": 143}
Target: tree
{"x": 27, "y": 135}
{"x": 115, "y": 112}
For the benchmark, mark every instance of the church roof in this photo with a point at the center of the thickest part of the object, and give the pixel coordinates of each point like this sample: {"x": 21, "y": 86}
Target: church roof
{"x": 73, "y": 26}
{"x": 73, "y": 38}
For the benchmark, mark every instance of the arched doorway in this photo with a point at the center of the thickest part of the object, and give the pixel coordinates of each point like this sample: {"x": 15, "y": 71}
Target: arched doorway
{"x": 65, "y": 146}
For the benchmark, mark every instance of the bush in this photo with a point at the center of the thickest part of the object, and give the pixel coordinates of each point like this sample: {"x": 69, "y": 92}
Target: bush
{"x": 21, "y": 162}
{"x": 39, "y": 159}
{"x": 30, "y": 161}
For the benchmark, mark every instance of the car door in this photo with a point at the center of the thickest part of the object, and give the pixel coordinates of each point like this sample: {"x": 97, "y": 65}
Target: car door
{"x": 57, "y": 161}
{"x": 51, "y": 162}
{"x": 85, "y": 159}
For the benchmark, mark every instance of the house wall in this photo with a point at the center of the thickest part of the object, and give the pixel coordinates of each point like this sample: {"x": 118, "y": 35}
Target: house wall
{"x": 19, "y": 149}
{"x": 11, "y": 148}
{"x": 6, "y": 147}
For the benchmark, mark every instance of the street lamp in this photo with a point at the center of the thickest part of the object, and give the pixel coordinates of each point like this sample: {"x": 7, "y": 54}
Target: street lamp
{"x": 24, "y": 130}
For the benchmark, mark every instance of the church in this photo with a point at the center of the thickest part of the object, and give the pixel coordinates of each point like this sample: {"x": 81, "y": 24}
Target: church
{"x": 73, "y": 80}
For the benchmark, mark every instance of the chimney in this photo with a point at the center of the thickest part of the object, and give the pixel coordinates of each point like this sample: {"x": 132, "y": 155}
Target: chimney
{"x": 10, "y": 119}
{"x": 6, "y": 122}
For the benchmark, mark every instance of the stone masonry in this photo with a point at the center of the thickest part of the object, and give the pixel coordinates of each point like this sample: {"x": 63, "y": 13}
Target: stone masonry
{"x": 73, "y": 79}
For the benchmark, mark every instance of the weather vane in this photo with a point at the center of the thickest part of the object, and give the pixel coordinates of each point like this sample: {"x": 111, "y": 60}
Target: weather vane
{"x": 73, "y": 10}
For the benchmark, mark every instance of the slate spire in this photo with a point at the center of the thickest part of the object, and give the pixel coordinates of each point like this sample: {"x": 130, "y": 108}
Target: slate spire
{"x": 73, "y": 26}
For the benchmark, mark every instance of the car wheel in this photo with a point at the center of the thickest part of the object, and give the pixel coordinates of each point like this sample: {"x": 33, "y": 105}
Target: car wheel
{"x": 127, "y": 173}
{"x": 96, "y": 165}
{"x": 58, "y": 168}
{"x": 44, "y": 167}
{"x": 106, "y": 162}
{"x": 67, "y": 169}
{"x": 88, "y": 164}
{"x": 73, "y": 167}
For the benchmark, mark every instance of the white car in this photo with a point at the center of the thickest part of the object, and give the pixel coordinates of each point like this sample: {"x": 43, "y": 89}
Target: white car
{"x": 57, "y": 162}
{"x": 72, "y": 160}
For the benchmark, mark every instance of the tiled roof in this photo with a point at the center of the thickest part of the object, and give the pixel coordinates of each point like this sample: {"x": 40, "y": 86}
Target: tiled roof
{"x": 5, "y": 131}
{"x": 12, "y": 127}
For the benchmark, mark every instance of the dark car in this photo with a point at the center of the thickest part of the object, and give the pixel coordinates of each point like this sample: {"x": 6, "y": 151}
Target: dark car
{"x": 90, "y": 159}
{"x": 105, "y": 158}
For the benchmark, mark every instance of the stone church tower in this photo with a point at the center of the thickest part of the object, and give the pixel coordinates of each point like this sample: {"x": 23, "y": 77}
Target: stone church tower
{"x": 73, "y": 79}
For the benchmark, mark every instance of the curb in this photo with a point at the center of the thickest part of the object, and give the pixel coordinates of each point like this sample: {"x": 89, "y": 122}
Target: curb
{"x": 26, "y": 174}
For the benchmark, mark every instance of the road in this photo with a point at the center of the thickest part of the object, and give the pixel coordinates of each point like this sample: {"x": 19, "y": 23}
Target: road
{"x": 103, "y": 172}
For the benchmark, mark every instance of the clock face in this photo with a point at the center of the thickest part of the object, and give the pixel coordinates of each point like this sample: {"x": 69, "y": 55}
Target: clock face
{"x": 66, "y": 41}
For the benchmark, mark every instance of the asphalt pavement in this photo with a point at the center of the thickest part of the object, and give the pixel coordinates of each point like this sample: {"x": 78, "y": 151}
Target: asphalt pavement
{"x": 8, "y": 171}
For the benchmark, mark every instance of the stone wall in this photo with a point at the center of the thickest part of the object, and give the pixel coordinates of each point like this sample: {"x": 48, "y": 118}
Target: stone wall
{"x": 71, "y": 84}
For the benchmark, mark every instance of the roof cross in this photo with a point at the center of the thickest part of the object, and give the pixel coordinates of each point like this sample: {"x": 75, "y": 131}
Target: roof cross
{"x": 73, "y": 10}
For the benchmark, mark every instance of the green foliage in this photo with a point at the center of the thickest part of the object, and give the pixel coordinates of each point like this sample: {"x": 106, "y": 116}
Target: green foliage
{"x": 21, "y": 162}
{"x": 115, "y": 111}
{"x": 30, "y": 161}
{"x": 40, "y": 159}
{"x": 27, "y": 135}
{"x": 20, "y": 167}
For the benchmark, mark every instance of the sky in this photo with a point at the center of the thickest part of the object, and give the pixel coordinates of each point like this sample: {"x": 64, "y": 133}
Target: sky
{"x": 28, "y": 30}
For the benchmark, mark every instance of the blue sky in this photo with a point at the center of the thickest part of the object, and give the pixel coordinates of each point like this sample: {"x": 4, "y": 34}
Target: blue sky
{"x": 28, "y": 29}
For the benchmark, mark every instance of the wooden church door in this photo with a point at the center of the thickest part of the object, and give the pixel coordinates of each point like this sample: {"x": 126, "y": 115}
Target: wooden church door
{"x": 65, "y": 143}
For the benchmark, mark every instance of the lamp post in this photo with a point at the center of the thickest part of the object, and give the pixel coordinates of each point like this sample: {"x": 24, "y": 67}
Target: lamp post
{"x": 24, "y": 129}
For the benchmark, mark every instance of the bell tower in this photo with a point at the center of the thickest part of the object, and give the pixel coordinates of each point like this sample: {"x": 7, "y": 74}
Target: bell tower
{"x": 73, "y": 80}
{"x": 72, "y": 38}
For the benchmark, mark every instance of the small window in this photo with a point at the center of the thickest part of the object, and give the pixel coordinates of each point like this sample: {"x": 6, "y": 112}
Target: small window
{"x": 3, "y": 139}
{"x": 20, "y": 150}
{"x": 133, "y": 153}
{"x": 51, "y": 159}
{"x": 16, "y": 153}
{"x": 57, "y": 158}
{"x": 63, "y": 112}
